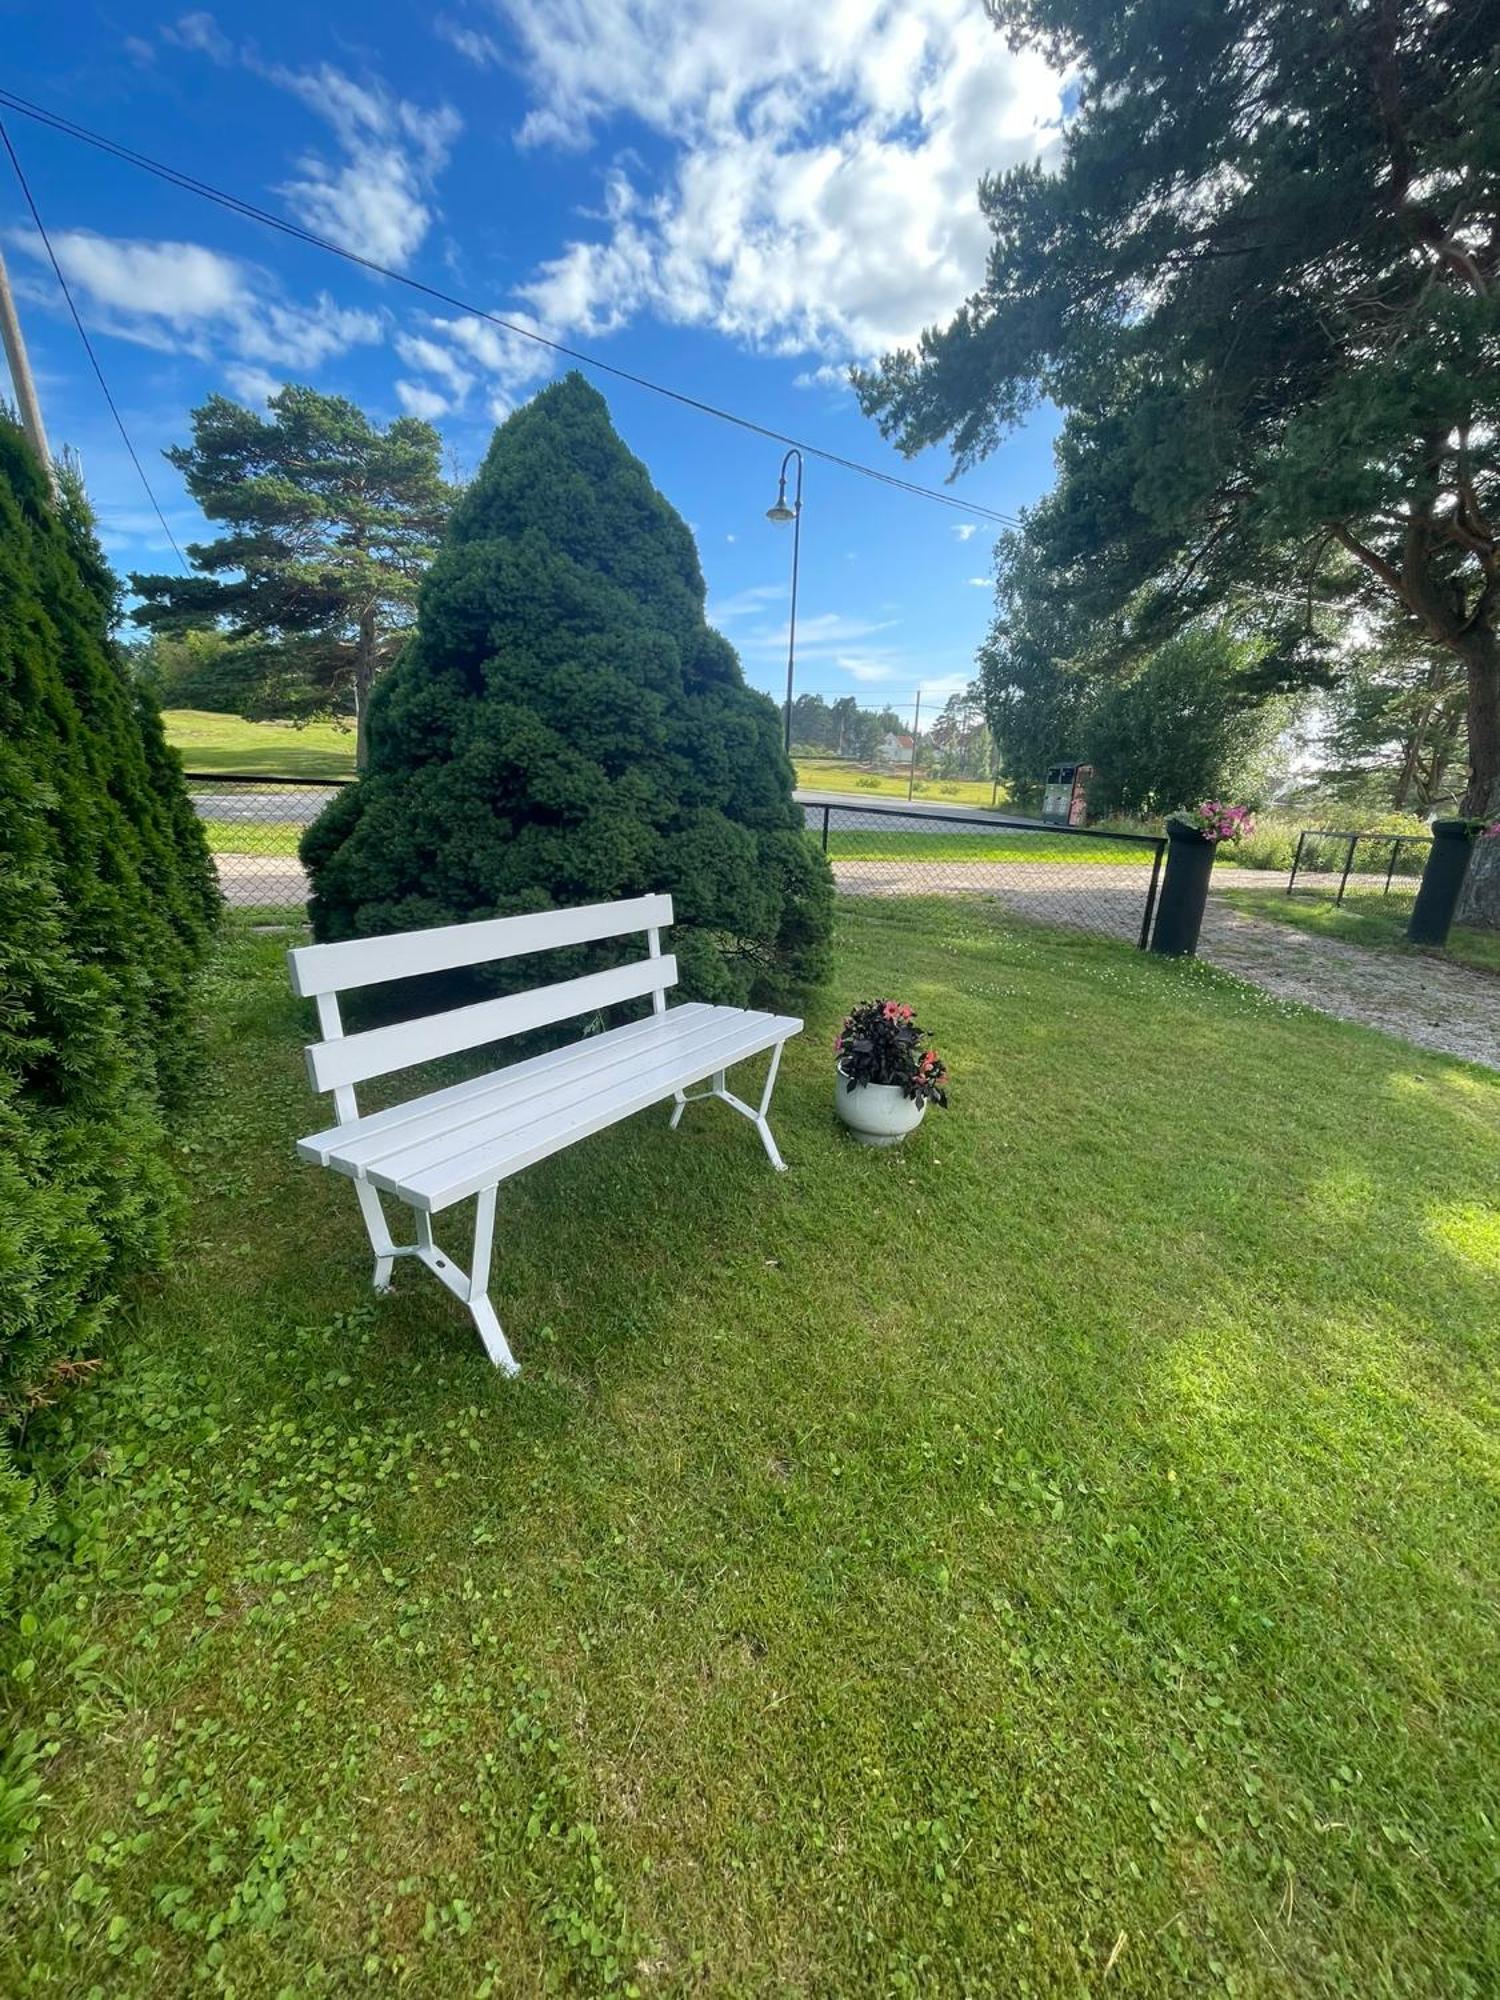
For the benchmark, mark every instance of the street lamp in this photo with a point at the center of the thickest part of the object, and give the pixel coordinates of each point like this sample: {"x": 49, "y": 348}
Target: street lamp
{"x": 781, "y": 512}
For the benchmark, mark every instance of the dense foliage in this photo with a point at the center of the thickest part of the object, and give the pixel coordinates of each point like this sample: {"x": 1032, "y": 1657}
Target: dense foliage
{"x": 106, "y": 902}
{"x": 1184, "y": 726}
{"x": 331, "y": 524}
{"x": 1263, "y": 284}
{"x": 565, "y": 727}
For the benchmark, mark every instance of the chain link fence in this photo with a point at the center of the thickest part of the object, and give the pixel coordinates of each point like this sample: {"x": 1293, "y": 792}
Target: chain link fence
{"x": 1070, "y": 877}
{"x": 1075, "y": 878}
{"x": 253, "y": 826}
{"x": 1358, "y": 868}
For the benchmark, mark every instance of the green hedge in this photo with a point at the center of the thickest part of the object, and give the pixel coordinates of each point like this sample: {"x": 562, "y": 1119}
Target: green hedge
{"x": 107, "y": 901}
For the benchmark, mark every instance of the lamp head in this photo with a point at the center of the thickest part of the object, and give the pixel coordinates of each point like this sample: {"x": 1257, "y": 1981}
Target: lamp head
{"x": 781, "y": 511}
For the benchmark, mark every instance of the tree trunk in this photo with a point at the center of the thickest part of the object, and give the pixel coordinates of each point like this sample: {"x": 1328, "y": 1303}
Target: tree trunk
{"x": 1479, "y": 650}
{"x": 1480, "y": 901}
{"x": 364, "y": 676}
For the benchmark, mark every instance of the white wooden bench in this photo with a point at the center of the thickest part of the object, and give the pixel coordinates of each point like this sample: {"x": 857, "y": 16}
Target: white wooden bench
{"x": 437, "y": 1149}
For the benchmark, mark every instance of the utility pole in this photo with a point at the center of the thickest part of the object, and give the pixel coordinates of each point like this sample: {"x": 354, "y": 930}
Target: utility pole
{"x": 29, "y": 408}
{"x": 916, "y": 733}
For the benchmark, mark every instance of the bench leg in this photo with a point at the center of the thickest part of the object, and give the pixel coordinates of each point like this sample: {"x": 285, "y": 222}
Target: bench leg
{"x": 472, "y": 1286}
{"x": 378, "y": 1232}
{"x": 726, "y": 1096}
{"x": 496, "y": 1346}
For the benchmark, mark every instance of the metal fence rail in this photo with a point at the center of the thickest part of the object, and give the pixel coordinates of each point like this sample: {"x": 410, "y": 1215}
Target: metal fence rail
{"x": 1072, "y": 877}
{"x": 1076, "y": 878}
{"x": 1329, "y": 862}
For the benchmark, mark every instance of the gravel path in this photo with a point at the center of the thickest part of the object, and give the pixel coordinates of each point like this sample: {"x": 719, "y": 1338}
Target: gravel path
{"x": 1429, "y": 1001}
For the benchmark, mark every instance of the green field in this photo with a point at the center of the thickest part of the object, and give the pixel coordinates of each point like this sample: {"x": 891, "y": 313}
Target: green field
{"x": 1374, "y": 921}
{"x": 833, "y": 774}
{"x": 1058, "y": 1558}
{"x": 211, "y": 742}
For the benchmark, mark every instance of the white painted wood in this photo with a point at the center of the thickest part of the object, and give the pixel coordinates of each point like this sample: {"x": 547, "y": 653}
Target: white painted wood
{"x": 443, "y": 1170}
{"x": 378, "y": 1051}
{"x": 444, "y": 1145}
{"x": 448, "y": 1109}
{"x": 330, "y": 968}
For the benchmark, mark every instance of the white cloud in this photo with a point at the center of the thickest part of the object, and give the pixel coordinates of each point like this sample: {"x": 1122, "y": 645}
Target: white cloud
{"x": 745, "y": 603}
{"x": 201, "y": 33}
{"x": 419, "y": 401}
{"x": 251, "y": 384}
{"x": 831, "y": 375}
{"x": 864, "y": 670}
{"x": 731, "y": 538}
{"x": 822, "y": 195}
{"x": 185, "y": 298}
{"x": 378, "y": 199}
{"x": 965, "y": 530}
{"x": 981, "y": 582}
{"x": 472, "y": 43}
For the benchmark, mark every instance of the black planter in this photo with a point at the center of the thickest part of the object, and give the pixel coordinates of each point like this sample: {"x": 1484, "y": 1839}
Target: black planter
{"x": 1184, "y": 891}
{"x": 1442, "y": 881}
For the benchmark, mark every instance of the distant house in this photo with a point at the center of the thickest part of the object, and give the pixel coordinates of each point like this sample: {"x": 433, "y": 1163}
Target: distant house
{"x": 893, "y": 749}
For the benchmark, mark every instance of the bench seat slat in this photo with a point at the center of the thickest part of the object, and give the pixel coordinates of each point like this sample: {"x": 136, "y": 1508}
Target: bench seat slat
{"x": 340, "y": 968}
{"x": 676, "y": 1051}
{"x": 367, "y": 1138}
{"x": 434, "y": 1179}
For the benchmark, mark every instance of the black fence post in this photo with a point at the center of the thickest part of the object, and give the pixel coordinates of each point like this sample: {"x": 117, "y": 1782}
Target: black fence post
{"x": 1296, "y": 862}
{"x": 1184, "y": 892}
{"x": 1395, "y": 850}
{"x": 1442, "y": 879}
{"x": 825, "y": 829}
{"x": 1348, "y": 864}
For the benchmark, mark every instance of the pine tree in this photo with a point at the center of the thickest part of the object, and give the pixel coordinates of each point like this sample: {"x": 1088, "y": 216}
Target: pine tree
{"x": 565, "y": 728}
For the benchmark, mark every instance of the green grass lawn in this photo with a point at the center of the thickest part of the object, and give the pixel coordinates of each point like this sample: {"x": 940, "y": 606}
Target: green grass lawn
{"x": 211, "y": 742}
{"x": 253, "y": 837}
{"x": 834, "y": 774}
{"x": 1057, "y": 1558}
{"x": 1375, "y": 921}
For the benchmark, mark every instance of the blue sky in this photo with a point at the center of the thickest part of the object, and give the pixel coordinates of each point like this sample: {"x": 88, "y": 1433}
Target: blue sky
{"x": 738, "y": 197}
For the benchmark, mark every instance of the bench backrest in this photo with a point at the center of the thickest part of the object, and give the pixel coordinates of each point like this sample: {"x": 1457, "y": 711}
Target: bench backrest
{"x": 322, "y": 971}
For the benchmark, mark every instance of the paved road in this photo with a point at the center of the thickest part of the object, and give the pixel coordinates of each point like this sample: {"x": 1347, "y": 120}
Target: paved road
{"x": 918, "y": 811}
{"x": 299, "y": 804}
{"x": 296, "y": 806}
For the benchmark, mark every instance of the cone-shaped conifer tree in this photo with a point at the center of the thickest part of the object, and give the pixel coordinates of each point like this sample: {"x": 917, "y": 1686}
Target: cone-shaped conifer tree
{"x": 565, "y": 727}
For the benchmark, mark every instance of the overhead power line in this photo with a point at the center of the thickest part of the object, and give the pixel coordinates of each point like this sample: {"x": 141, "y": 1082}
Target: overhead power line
{"x": 237, "y": 205}
{"x": 88, "y": 345}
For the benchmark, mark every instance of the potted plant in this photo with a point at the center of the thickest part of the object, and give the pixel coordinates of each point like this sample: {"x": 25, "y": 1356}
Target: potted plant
{"x": 1210, "y": 822}
{"x": 887, "y": 1073}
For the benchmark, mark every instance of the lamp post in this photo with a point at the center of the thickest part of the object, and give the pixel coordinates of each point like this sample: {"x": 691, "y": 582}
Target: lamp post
{"x": 781, "y": 512}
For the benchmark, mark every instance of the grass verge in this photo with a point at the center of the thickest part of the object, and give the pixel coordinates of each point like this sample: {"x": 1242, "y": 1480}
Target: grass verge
{"x": 1372, "y": 921}
{"x": 1057, "y": 1557}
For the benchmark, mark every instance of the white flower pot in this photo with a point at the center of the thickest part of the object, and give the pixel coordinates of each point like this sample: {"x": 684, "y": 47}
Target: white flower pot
{"x": 878, "y": 1114}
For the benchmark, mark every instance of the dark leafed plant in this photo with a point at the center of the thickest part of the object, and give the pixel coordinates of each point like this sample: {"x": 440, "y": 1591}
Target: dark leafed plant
{"x": 882, "y": 1042}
